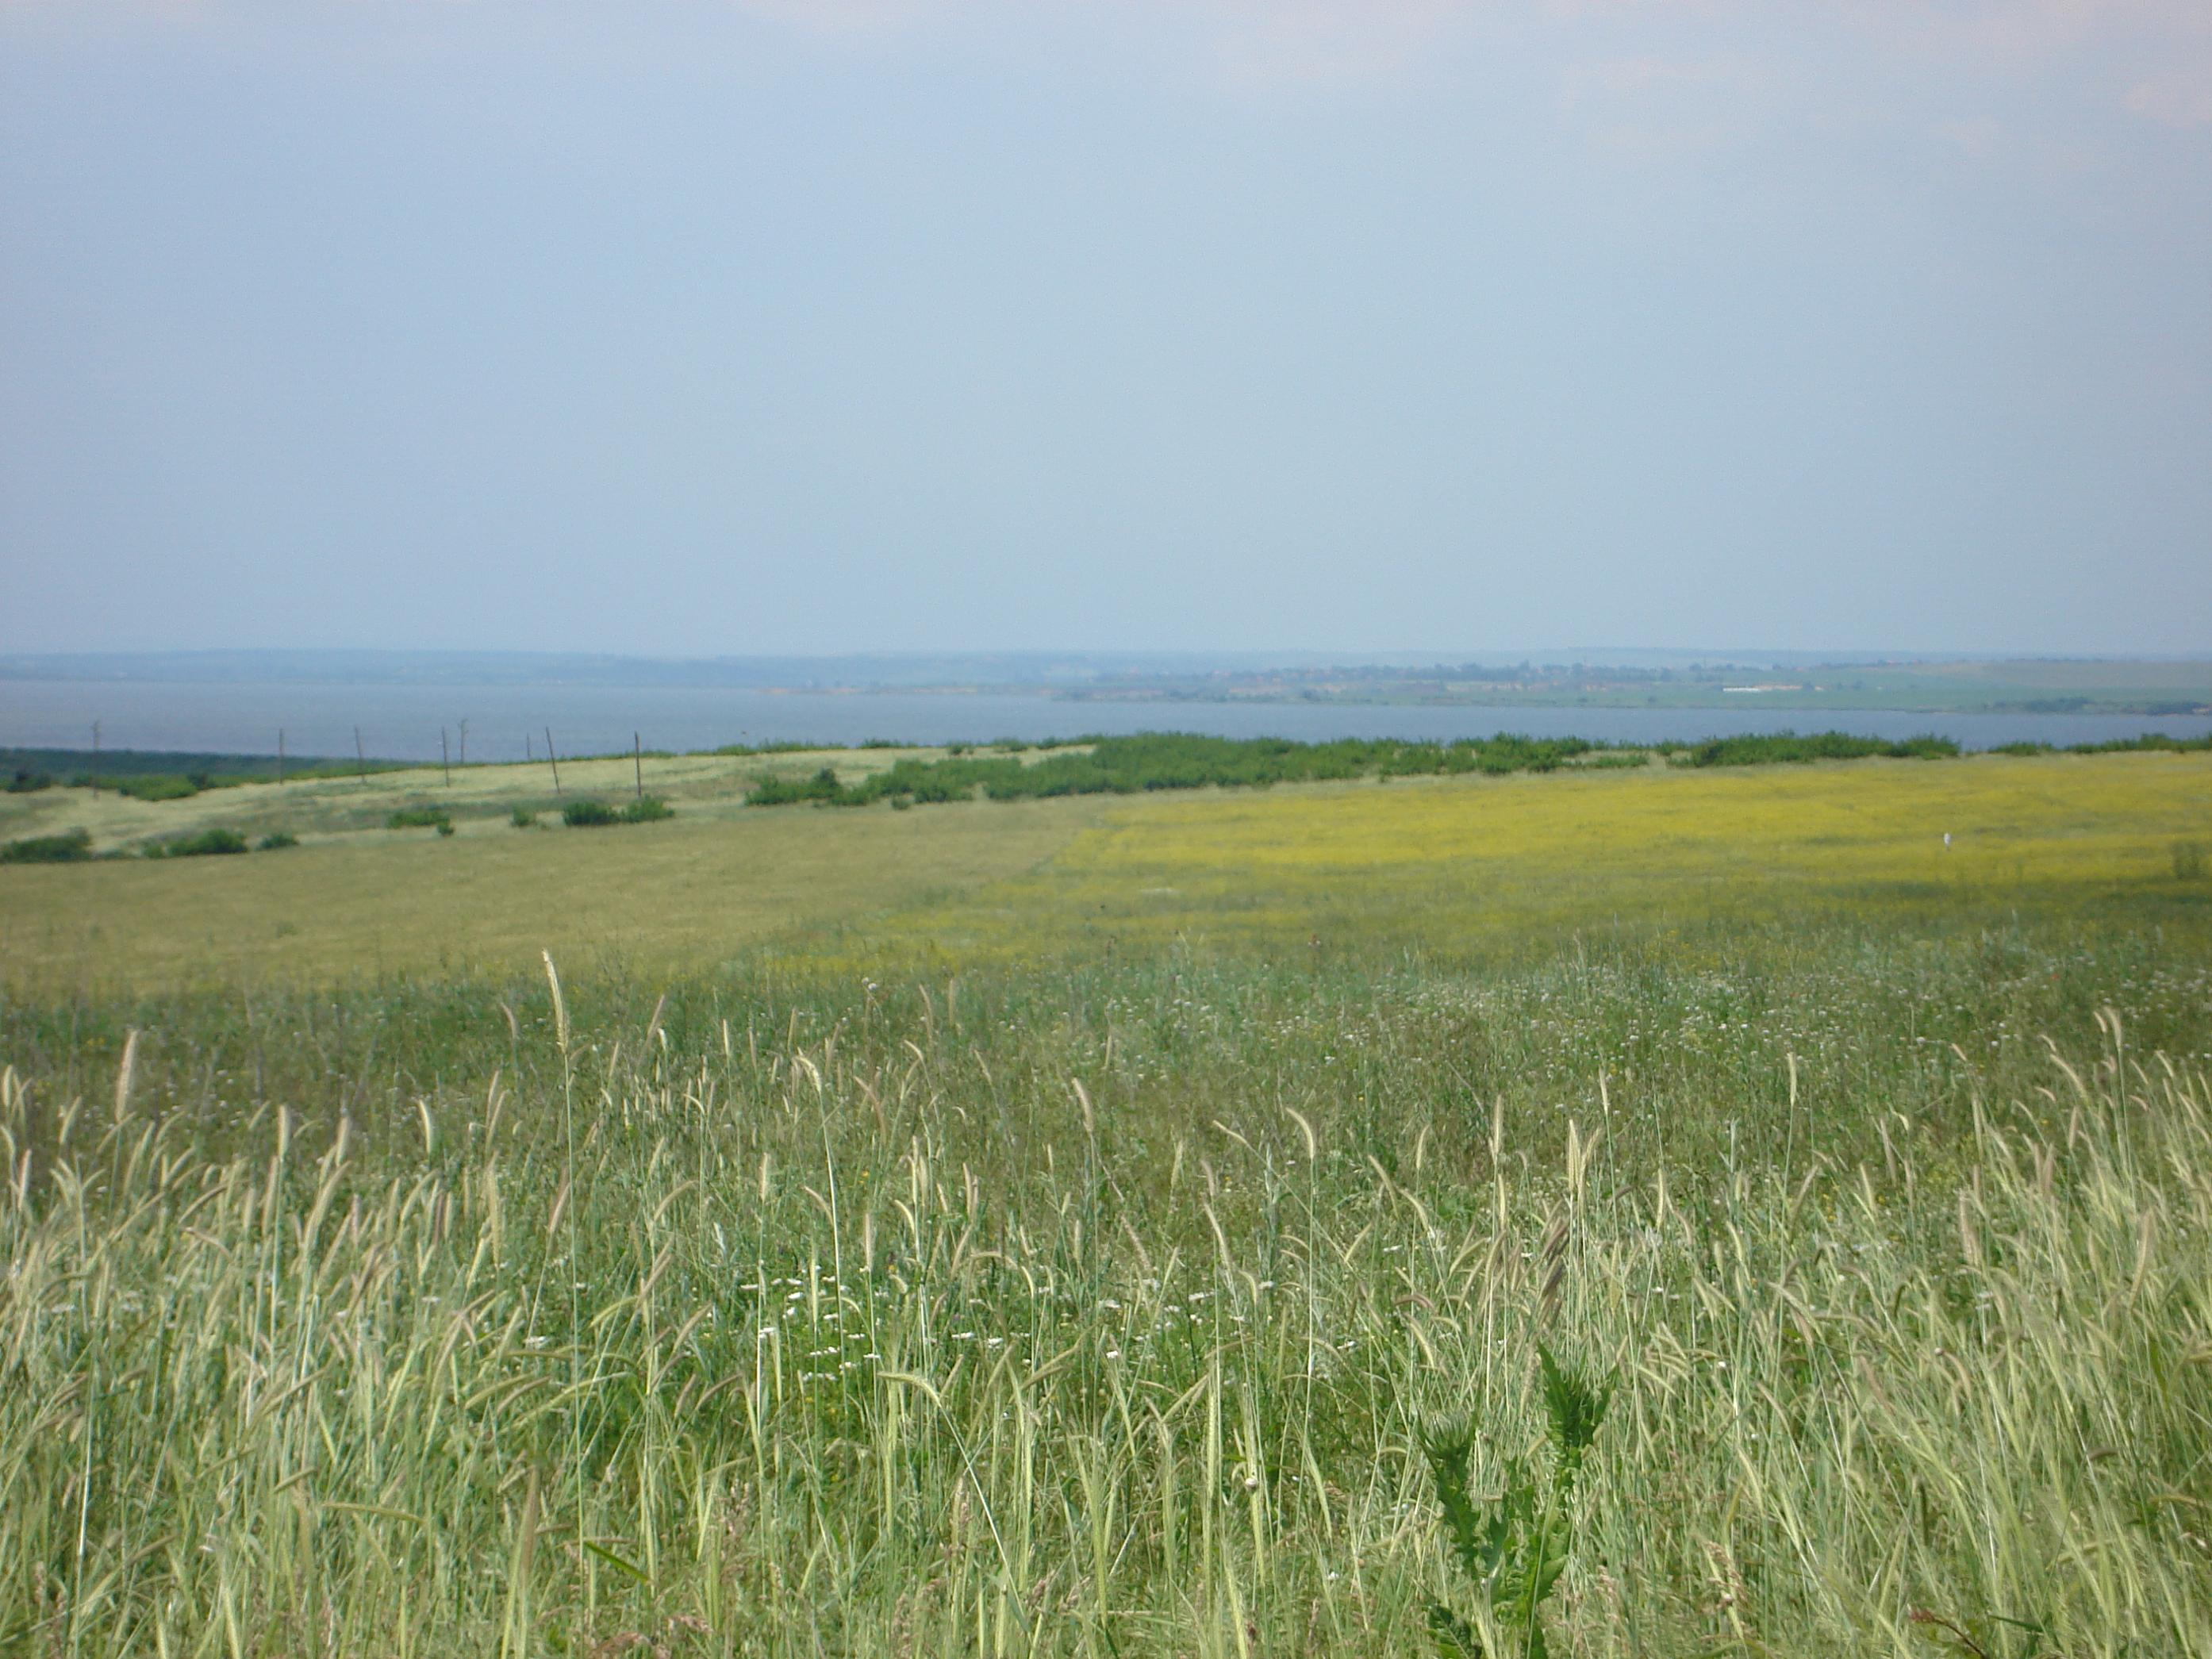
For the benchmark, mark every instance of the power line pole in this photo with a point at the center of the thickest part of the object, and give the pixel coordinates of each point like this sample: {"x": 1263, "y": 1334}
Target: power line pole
{"x": 445, "y": 757}
{"x": 555, "y": 760}
{"x": 637, "y": 762}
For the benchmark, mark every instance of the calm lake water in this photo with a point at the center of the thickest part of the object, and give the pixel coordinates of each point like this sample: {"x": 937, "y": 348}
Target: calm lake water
{"x": 402, "y": 722}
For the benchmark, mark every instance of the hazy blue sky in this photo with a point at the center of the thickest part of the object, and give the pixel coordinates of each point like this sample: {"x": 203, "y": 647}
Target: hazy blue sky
{"x": 707, "y": 326}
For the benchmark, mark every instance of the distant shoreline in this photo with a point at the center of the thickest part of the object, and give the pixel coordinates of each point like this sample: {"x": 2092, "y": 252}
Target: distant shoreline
{"x": 1801, "y": 684}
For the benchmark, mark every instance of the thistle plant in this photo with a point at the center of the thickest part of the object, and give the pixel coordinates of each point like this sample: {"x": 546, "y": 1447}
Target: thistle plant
{"x": 1513, "y": 1549}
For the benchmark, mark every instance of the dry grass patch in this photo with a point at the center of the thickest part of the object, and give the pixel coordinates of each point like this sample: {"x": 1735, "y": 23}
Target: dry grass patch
{"x": 686, "y": 893}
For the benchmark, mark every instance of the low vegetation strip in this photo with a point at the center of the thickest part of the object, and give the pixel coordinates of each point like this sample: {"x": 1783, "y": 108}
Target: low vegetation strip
{"x": 1787, "y": 748}
{"x": 74, "y": 846}
{"x": 165, "y": 775}
{"x": 1156, "y": 761}
{"x": 1133, "y": 765}
{"x": 1110, "y": 1313}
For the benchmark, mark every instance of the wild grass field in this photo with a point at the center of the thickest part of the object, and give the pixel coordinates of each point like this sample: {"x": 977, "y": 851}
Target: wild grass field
{"x": 1454, "y": 866}
{"x": 1080, "y": 1249}
{"x": 1494, "y": 866}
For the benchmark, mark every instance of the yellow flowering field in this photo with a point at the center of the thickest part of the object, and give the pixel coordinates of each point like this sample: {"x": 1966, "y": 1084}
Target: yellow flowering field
{"x": 1495, "y": 862}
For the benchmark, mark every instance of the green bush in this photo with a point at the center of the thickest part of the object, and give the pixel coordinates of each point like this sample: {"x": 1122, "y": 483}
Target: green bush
{"x": 522, "y": 819}
{"x": 205, "y": 843}
{"x": 25, "y": 781}
{"x": 157, "y": 786}
{"x": 2189, "y": 860}
{"x": 597, "y": 814}
{"x": 275, "y": 841}
{"x": 768, "y": 790}
{"x": 65, "y": 848}
{"x": 421, "y": 817}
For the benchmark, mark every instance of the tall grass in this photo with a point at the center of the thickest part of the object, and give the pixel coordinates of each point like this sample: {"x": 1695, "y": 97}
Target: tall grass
{"x": 1033, "y": 1317}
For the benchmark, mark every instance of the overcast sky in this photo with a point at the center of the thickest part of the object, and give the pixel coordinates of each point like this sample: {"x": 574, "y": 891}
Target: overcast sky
{"x": 795, "y": 326}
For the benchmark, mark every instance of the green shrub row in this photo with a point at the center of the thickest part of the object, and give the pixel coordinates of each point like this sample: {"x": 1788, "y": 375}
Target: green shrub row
{"x": 162, "y": 774}
{"x": 74, "y": 846}
{"x": 1151, "y": 761}
{"x": 1789, "y": 748}
{"x": 2149, "y": 742}
{"x": 1185, "y": 761}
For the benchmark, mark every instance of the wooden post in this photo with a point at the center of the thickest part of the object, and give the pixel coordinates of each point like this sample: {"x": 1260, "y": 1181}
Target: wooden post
{"x": 637, "y": 762}
{"x": 280, "y": 756}
{"x": 360, "y": 754}
{"x": 556, "y": 761}
{"x": 445, "y": 757}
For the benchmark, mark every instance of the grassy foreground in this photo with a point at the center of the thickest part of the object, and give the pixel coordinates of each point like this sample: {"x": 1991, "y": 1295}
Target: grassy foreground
{"x": 1102, "y": 1311}
{"x": 1056, "y": 1228}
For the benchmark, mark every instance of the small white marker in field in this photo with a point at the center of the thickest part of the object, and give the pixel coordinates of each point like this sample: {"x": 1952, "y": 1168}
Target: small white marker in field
{"x": 1946, "y": 841}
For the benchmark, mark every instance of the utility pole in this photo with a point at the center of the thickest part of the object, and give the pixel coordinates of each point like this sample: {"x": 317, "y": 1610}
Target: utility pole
{"x": 280, "y": 756}
{"x": 465, "y": 743}
{"x": 445, "y": 757}
{"x": 555, "y": 760}
{"x": 637, "y": 763}
{"x": 96, "y": 757}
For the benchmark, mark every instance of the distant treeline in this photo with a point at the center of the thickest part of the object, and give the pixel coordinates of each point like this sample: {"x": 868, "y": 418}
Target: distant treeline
{"x": 160, "y": 775}
{"x": 1133, "y": 765}
{"x": 1770, "y": 748}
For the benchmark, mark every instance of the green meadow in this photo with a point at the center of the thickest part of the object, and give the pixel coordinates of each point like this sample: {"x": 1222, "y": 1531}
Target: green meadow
{"x": 1076, "y": 1225}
